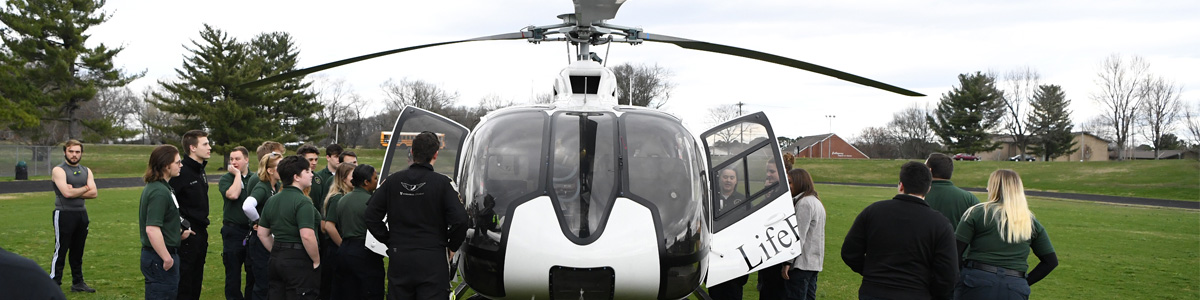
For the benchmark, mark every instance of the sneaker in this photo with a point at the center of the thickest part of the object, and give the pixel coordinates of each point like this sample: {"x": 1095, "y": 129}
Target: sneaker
{"x": 82, "y": 287}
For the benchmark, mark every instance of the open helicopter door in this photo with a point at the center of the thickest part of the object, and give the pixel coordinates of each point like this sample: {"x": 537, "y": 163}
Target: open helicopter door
{"x": 413, "y": 121}
{"x": 753, "y": 217}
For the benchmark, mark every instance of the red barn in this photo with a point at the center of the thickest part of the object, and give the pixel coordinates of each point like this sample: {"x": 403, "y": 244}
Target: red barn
{"x": 825, "y": 146}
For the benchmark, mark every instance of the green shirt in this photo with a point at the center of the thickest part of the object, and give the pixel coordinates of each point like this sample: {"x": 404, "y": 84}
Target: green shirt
{"x": 233, "y": 207}
{"x": 950, "y": 200}
{"x": 322, "y": 180}
{"x": 349, "y": 214}
{"x": 331, "y": 207}
{"x": 251, "y": 182}
{"x": 287, "y": 212}
{"x": 986, "y": 244}
{"x": 261, "y": 193}
{"x": 158, "y": 208}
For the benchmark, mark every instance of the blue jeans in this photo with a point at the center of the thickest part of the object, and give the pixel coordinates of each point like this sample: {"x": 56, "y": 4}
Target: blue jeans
{"x": 160, "y": 284}
{"x": 801, "y": 285}
{"x": 980, "y": 284}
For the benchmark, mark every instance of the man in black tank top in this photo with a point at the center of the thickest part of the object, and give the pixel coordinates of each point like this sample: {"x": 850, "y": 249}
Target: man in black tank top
{"x": 72, "y": 184}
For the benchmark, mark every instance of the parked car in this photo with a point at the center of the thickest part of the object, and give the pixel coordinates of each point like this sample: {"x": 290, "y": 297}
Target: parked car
{"x": 964, "y": 156}
{"x": 1023, "y": 157}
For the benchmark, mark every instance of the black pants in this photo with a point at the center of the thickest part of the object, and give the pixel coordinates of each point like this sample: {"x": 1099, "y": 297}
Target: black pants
{"x": 729, "y": 290}
{"x": 360, "y": 272}
{"x": 257, "y": 258}
{"x": 233, "y": 256}
{"x": 418, "y": 274}
{"x": 70, "y": 235}
{"x": 329, "y": 266}
{"x": 292, "y": 274}
{"x": 771, "y": 283}
{"x": 192, "y": 252}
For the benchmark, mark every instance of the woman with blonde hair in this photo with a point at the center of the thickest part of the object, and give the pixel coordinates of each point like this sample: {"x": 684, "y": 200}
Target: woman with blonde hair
{"x": 257, "y": 255}
{"x": 999, "y": 234}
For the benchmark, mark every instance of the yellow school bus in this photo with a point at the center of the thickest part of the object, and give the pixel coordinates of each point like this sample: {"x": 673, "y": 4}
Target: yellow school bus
{"x": 406, "y": 138}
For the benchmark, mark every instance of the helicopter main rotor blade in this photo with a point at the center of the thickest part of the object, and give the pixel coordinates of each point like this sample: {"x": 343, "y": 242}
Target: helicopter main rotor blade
{"x": 771, "y": 58}
{"x": 588, "y": 12}
{"x": 310, "y": 70}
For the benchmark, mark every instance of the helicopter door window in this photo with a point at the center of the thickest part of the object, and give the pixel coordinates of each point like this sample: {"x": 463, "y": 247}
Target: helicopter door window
{"x": 583, "y": 173}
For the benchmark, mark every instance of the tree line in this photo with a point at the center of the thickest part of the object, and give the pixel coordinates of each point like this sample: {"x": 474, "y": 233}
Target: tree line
{"x": 1035, "y": 117}
{"x": 53, "y": 87}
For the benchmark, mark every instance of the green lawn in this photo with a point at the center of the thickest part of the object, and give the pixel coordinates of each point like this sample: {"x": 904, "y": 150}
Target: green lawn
{"x": 1106, "y": 251}
{"x": 1162, "y": 179}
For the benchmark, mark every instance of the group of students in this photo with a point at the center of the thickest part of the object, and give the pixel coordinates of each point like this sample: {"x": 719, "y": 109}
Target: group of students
{"x": 933, "y": 240}
{"x": 297, "y": 232}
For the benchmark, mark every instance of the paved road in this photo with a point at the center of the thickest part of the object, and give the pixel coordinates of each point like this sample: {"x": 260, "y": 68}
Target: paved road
{"x": 45, "y": 186}
{"x": 1085, "y": 197}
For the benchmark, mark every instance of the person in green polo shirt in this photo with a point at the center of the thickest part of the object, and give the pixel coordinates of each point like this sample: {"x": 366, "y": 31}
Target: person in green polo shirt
{"x": 943, "y": 196}
{"x": 360, "y": 272}
{"x": 999, "y": 234}
{"x": 159, "y": 219}
{"x": 294, "y": 268}
{"x": 235, "y": 224}
{"x": 256, "y": 254}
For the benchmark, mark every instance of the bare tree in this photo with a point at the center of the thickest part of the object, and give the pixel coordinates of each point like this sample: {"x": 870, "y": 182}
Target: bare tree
{"x": 150, "y": 114}
{"x": 1191, "y": 117}
{"x": 721, "y": 114}
{"x": 417, "y": 93}
{"x": 643, "y": 85}
{"x": 1019, "y": 86}
{"x": 1121, "y": 84}
{"x": 543, "y": 98}
{"x": 337, "y": 98}
{"x": 1159, "y": 111}
{"x": 878, "y": 142}
{"x": 912, "y": 132}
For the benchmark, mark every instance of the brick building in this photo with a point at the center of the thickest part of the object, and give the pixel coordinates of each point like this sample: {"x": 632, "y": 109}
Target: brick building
{"x": 825, "y": 146}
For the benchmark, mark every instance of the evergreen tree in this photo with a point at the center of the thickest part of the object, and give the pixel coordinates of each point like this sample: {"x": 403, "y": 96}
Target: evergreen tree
{"x": 208, "y": 94}
{"x": 47, "y": 70}
{"x": 1050, "y": 123}
{"x": 966, "y": 115}
{"x": 289, "y": 101}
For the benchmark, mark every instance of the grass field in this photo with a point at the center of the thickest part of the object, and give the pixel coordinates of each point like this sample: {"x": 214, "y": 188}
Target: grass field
{"x": 1161, "y": 179}
{"x": 1105, "y": 251}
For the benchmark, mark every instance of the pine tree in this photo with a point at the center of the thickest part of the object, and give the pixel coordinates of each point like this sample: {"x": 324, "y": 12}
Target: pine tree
{"x": 966, "y": 115}
{"x": 1050, "y": 123}
{"x": 48, "y": 71}
{"x": 290, "y": 100}
{"x": 208, "y": 94}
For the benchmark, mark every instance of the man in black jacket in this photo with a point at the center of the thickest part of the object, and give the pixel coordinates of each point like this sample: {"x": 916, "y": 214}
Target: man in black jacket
{"x": 425, "y": 224}
{"x": 191, "y": 190}
{"x": 903, "y": 248}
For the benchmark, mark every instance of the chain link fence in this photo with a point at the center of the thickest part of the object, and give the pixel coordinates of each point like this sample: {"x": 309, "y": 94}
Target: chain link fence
{"x": 37, "y": 159}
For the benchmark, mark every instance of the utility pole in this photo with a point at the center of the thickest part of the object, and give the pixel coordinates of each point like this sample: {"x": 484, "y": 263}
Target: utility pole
{"x": 741, "y": 127}
{"x": 829, "y": 153}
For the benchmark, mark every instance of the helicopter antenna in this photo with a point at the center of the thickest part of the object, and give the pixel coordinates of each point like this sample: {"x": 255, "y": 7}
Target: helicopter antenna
{"x": 606, "y": 50}
{"x": 568, "y": 53}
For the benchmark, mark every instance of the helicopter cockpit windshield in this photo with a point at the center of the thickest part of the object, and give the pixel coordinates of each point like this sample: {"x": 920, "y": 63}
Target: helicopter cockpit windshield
{"x": 584, "y": 168}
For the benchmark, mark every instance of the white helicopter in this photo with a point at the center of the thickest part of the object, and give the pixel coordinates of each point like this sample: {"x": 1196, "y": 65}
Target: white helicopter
{"x": 588, "y": 199}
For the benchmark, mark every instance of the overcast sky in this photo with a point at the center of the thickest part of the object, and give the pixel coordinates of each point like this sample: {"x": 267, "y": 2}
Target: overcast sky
{"x": 920, "y": 45}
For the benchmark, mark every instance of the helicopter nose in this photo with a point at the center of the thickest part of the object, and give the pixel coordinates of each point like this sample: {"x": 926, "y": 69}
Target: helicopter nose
{"x": 537, "y": 256}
